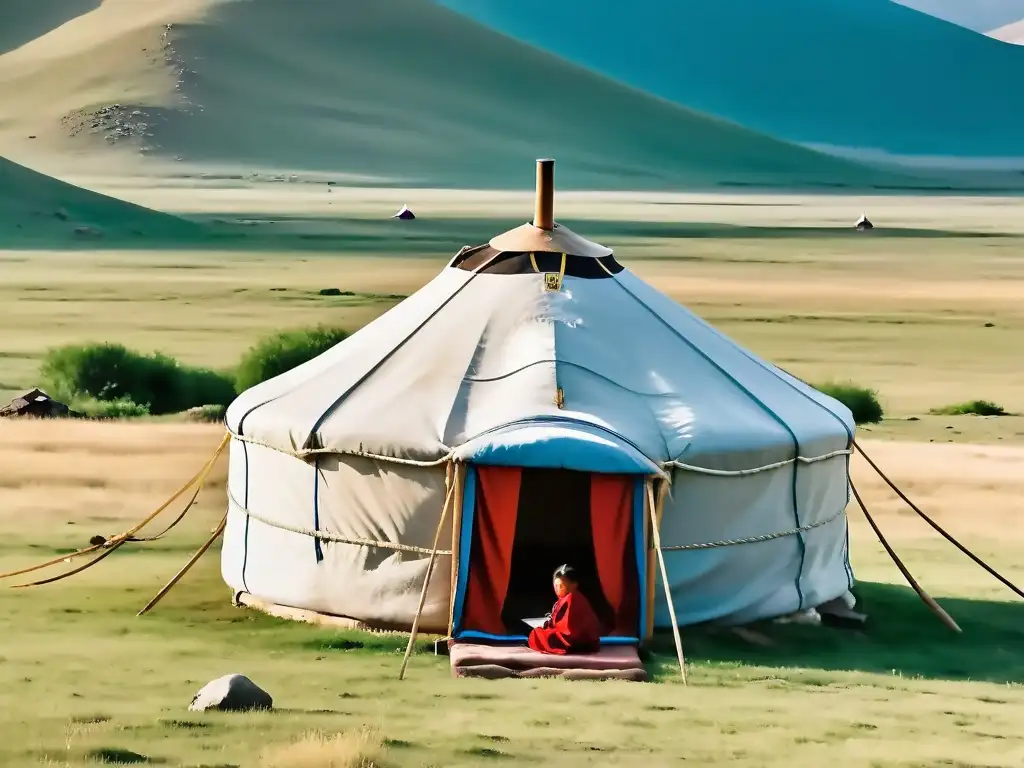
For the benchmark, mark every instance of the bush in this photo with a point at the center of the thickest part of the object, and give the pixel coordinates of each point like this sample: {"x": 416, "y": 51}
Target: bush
{"x": 973, "y": 407}
{"x": 207, "y": 414}
{"x": 121, "y": 408}
{"x": 862, "y": 402}
{"x": 273, "y": 355}
{"x": 111, "y": 372}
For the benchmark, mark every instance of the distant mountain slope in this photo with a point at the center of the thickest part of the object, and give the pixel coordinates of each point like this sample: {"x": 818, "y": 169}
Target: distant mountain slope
{"x": 1010, "y": 33}
{"x": 867, "y": 74}
{"x": 979, "y": 15}
{"x": 397, "y": 91}
{"x": 39, "y": 208}
{"x": 21, "y": 21}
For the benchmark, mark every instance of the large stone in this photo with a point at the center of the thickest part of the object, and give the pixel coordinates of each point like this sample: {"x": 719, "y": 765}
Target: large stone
{"x": 231, "y": 693}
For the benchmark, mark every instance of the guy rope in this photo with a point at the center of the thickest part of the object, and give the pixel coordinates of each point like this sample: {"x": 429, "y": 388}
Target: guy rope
{"x": 944, "y": 617}
{"x": 111, "y": 545}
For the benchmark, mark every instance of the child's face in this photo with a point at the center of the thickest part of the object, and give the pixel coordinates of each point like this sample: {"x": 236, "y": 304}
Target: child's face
{"x": 563, "y": 587}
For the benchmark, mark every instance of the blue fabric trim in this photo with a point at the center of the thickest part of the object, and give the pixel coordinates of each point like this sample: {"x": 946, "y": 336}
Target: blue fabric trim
{"x": 560, "y": 451}
{"x": 472, "y": 634}
{"x": 561, "y": 420}
{"x": 465, "y": 545}
{"x": 245, "y": 540}
{"x": 638, "y": 542}
{"x": 801, "y": 544}
{"x": 317, "y": 548}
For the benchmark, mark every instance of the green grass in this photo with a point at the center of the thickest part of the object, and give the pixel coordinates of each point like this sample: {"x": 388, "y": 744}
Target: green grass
{"x": 123, "y": 686}
{"x": 971, "y": 408}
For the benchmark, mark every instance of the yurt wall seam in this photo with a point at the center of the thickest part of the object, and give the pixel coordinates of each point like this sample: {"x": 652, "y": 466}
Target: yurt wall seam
{"x": 376, "y": 366}
{"x": 330, "y": 536}
{"x": 846, "y": 544}
{"x": 774, "y": 372}
{"x": 245, "y": 540}
{"x": 796, "y": 441}
{"x": 317, "y": 549}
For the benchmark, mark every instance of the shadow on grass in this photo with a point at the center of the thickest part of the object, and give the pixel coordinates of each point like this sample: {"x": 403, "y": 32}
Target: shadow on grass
{"x": 901, "y": 637}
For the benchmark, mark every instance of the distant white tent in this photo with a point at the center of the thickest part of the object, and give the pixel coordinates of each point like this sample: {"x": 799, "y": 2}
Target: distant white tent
{"x": 537, "y": 396}
{"x": 404, "y": 213}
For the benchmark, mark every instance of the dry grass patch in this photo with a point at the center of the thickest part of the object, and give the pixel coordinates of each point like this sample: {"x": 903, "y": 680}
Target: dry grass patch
{"x": 359, "y": 748}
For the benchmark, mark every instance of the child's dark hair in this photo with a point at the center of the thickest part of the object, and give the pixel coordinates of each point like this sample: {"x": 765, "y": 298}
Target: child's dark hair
{"x": 566, "y": 573}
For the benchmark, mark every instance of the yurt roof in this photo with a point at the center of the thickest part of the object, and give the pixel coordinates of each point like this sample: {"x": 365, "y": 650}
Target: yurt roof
{"x": 539, "y": 356}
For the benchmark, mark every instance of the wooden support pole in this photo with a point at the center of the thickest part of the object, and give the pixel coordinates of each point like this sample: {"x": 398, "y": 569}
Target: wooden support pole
{"x": 656, "y": 538}
{"x": 652, "y": 558}
{"x": 544, "y": 205}
{"x": 426, "y": 582}
{"x": 457, "y": 475}
{"x": 927, "y": 599}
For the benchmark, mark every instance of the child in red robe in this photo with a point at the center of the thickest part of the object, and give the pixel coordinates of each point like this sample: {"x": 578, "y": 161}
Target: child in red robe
{"x": 573, "y": 627}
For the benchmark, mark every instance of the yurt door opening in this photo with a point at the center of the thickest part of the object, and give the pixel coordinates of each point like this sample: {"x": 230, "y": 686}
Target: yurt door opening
{"x": 519, "y": 524}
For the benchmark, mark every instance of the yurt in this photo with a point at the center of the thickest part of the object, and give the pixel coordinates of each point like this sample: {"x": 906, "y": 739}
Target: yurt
{"x": 534, "y": 404}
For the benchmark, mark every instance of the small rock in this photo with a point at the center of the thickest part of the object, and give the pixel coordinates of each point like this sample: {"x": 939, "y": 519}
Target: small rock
{"x": 231, "y": 693}
{"x": 913, "y": 418}
{"x": 98, "y": 541}
{"x": 987, "y": 325}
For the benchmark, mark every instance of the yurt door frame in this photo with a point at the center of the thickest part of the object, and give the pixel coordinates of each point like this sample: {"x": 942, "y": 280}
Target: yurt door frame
{"x": 467, "y": 524}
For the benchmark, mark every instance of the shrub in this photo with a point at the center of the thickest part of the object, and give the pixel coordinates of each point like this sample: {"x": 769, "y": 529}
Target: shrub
{"x": 209, "y": 414}
{"x": 862, "y": 402}
{"x": 273, "y": 355}
{"x": 121, "y": 408}
{"x": 972, "y": 407}
{"x": 111, "y": 372}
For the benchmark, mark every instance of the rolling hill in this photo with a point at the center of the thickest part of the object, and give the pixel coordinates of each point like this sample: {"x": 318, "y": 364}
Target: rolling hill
{"x": 388, "y": 92}
{"x": 869, "y": 75}
{"x": 38, "y": 208}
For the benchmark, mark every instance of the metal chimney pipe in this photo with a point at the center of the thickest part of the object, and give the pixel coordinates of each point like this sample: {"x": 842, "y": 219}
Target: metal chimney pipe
{"x": 544, "y": 206}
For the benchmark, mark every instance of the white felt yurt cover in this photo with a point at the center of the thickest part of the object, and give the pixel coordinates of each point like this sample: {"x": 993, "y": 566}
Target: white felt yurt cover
{"x": 355, "y": 442}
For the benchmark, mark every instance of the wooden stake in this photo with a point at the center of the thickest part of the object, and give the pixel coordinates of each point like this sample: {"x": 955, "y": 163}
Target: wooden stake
{"x": 426, "y": 582}
{"x": 656, "y": 538}
{"x": 187, "y": 567}
{"x": 928, "y": 600}
{"x": 544, "y": 205}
